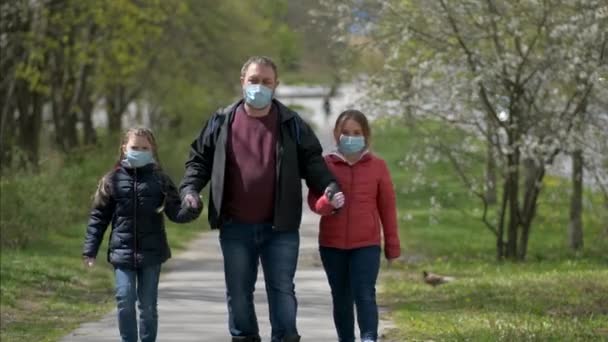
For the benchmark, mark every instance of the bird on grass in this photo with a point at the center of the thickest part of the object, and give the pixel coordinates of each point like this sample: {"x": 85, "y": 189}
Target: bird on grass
{"x": 435, "y": 279}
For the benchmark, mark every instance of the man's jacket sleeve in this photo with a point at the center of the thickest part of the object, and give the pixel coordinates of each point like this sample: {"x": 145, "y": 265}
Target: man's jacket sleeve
{"x": 200, "y": 161}
{"x": 312, "y": 165}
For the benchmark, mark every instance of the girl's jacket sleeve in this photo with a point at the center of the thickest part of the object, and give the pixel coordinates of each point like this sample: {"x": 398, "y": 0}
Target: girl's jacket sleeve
{"x": 319, "y": 204}
{"x": 99, "y": 219}
{"x": 387, "y": 208}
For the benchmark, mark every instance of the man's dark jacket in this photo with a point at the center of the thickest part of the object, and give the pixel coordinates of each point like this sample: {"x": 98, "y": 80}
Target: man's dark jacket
{"x": 298, "y": 156}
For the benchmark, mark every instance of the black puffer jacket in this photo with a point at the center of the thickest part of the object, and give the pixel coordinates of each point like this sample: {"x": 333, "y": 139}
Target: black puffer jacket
{"x": 134, "y": 205}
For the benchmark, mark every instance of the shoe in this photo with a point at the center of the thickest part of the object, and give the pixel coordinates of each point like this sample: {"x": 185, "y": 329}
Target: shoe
{"x": 255, "y": 338}
{"x": 292, "y": 338}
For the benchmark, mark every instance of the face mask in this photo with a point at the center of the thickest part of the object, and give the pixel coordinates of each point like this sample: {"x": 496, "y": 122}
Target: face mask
{"x": 351, "y": 144}
{"x": 139, "y": 158}
{"x": 257, "y": 95}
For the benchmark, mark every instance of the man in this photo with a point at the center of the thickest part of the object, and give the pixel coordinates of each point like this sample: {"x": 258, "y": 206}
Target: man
{"x": 255, "y": 153}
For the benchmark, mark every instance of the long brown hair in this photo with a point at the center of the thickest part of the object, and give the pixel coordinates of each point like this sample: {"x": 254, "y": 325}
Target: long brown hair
{"x": 103, "y": 191}
{"x": 358, "y": 117}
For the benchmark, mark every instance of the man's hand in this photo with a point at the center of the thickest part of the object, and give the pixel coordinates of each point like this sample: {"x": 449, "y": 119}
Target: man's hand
{"x": 192, "y": 201}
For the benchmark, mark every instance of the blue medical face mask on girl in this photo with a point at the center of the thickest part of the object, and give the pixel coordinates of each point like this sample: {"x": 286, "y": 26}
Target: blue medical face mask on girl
{"x": 139, "y": 158}
{"x": 350, "y": 144}
{"x": 257, "y": 95}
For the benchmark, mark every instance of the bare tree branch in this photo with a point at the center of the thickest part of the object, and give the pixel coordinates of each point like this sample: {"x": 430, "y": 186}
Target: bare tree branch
{"x": 469, "y": 186}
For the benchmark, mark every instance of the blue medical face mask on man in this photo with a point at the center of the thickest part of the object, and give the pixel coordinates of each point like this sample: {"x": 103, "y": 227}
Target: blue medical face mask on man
{"x": 257, "y": 95}
{"x": 350, "y": 144}
{"x": 139, "y": 158}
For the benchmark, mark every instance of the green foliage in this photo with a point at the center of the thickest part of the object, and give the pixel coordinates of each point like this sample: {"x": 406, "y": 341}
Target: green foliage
{"x": 289, "y": 48}
{"x": 201, "y": 51}
{"x": 35, "y": 204}
{"x": 128, "y": 30}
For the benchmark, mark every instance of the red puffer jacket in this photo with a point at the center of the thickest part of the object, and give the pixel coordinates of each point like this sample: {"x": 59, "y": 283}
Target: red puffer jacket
{"x": 369, "y": 206}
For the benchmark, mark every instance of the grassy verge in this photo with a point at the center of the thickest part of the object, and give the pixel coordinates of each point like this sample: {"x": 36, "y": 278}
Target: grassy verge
{"x": 556, "y": 295}
{"x": 45, "y": 290}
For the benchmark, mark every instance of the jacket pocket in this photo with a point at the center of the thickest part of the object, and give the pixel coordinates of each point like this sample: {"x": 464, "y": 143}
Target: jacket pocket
{"x": 330, "y": 230}
{"x": 365, "y": 229}
{"x": 115, "y": 241}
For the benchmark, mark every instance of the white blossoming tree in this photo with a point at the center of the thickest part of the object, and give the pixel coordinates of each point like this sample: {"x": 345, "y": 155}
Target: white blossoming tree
{"x": 519, "y": 74}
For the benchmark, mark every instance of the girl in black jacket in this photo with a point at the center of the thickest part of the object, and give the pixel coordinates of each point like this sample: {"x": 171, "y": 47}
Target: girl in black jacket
{"x": 133, "y": 197}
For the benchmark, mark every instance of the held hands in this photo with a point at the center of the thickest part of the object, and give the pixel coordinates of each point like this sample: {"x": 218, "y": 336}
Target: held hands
{"x": 192, "y": 201}
{"x": 336, "y": 199}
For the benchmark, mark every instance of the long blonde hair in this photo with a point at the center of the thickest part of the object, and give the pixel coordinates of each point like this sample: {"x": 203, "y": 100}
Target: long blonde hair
{"x": 103, "y": 191}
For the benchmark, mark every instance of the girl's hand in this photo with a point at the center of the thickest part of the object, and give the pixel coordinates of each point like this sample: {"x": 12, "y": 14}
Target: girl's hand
{"x": 337, "y": 200}
{"x": 88, "y": 262}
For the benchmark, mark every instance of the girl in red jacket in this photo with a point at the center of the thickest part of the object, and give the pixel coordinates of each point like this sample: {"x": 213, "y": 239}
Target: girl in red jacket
{"x": 350, "y": 237}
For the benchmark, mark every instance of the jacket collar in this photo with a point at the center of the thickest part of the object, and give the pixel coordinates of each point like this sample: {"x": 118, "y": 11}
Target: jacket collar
{"x": 285, "y": 113}
{"x": 337, "y": 157}
{"x": 144, "y": 169}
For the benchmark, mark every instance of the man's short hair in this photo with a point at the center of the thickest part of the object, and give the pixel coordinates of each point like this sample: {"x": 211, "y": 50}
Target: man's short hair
{"x": 262, "y": 60}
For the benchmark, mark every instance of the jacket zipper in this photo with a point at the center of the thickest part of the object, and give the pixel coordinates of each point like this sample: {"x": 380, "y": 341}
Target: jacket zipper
{"x": 135, "y": 218}
{"x": 350, "y": 190}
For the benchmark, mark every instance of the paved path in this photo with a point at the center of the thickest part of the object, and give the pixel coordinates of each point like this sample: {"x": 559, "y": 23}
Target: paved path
{"x": 192, "y": 298}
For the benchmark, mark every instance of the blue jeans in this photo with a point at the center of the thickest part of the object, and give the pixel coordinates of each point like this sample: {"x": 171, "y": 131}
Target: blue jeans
{"x": 139, "y": 285}
{"x": 352, "y": 275}
{"x": 243, "y": 246}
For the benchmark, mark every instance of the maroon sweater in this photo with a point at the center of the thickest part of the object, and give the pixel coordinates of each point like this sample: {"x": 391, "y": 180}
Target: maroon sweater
{"x": 249, "y": 183}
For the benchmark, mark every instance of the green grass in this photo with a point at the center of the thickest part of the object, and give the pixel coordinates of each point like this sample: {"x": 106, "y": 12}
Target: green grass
{"x": 45, "y": 290}
{"x": 555, "y": 295}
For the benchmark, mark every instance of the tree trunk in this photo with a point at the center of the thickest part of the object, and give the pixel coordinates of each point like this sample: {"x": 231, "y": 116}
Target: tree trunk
{"x": 58, "y": 118}
{"x": 500, "y": 243}
{"x": 513, "y": 185}
{"x": 114, "y": 104}
{"x": 30, "y": 122}
{"x": 114, "y": 116}
{"x": 534, "y": 175}
{"x": 7, "y": 126}
{"x": 575, "y": 231}
{"x": 70, "y": 130}
{"x": 90, "y": 135}
{"x": 7, "y": 140}
{"x": 490, "y": 193}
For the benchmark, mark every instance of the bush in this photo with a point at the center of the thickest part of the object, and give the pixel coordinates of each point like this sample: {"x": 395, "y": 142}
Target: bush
{"x": 34, "y": 204}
